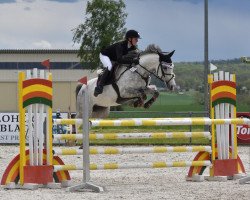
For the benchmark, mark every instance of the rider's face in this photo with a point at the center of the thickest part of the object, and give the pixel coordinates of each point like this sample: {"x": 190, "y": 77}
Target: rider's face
{"x": 134, "y": 41}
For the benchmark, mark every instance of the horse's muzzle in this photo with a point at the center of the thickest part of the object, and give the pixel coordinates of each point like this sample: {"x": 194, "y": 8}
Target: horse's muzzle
{"x": 171, "y": 87}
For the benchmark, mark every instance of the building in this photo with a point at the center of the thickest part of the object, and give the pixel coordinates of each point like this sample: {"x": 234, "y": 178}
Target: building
{"x": 66, "y": 71}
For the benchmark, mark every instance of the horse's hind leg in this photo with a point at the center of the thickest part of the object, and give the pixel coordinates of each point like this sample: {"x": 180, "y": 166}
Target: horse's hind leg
{"x": 138, "y": 103}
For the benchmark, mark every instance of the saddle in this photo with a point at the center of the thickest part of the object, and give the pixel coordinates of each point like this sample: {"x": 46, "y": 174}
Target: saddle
{"x": 111, "y": 79}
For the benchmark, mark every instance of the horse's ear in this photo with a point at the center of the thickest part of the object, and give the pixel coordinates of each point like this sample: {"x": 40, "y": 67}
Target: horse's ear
{"x": 171, "y": 53}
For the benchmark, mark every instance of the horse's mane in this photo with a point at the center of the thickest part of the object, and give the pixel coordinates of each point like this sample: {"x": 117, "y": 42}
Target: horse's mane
{"x": 151, "y": 48}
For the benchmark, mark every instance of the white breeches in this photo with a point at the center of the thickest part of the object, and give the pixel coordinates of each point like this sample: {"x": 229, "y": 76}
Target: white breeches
{"x": 106, "y": 62}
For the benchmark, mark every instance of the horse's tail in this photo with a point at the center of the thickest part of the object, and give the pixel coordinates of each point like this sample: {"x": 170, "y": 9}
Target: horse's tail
{"x": 78, "y": 88}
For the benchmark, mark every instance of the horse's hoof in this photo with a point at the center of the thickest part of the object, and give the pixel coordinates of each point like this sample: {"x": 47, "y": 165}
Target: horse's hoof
{"x": 140, "y": 104}
{"x": 147, "y": 105}
{"x": 144, "y": 97}
{"x": 136, "y": 104}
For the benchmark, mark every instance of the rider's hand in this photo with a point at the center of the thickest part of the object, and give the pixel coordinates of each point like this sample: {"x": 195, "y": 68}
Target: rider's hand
{"x": 136, "y": 61}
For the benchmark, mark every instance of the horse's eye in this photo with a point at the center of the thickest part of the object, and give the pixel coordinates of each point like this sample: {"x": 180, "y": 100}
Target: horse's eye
{"x": 166, "y": 65}
{"x": 171, "y": 65}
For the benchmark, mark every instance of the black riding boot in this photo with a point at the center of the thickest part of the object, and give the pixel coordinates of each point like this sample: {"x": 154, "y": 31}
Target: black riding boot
{"x": 101, "y": 82}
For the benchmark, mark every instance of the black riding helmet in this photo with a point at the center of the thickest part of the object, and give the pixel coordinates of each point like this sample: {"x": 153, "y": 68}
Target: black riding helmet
{"x": 132, "y": 34}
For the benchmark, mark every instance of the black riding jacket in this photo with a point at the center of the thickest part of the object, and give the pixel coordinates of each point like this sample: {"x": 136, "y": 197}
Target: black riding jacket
{"x": 117, "y": 51}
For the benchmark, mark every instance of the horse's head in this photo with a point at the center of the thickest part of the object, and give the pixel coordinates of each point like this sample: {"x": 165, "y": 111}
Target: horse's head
{"x": 166, "y": 69}
{"x": 159, "y": 64}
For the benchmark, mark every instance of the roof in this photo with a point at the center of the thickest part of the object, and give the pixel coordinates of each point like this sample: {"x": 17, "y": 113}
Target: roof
{"x": 38, "y": 51}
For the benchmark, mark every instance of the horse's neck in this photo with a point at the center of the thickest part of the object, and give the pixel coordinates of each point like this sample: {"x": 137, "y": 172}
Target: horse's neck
{"x": 150, "y": 61}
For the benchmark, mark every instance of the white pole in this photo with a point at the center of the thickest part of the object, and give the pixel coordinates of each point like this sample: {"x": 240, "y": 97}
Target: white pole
{"x": 226, "y": 134}
{"x": 233, "y": 114}
{"x": 218, "y": 127}
{"x": 48, "y": 131}
{"x": 222, "y": 116}
{"x": 35, "y": 126}
{"x": 40, "y": 126}
{"x": 30, "y": 127}
{"x": 85, "y": 128}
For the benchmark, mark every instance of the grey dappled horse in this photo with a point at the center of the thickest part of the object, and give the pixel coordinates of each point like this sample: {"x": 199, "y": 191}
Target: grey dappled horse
{"x": 132, "y": 84}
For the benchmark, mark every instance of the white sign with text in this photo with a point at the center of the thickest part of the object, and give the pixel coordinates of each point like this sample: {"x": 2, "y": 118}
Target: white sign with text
{"x": 9, "y": 127}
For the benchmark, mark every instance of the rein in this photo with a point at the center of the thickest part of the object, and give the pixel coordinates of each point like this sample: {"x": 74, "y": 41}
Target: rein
{"x": 143, "y": 78}
{"x": 157, "y": 71}
{"x": 151, "y": 72}
{"x": 156, "y": 75}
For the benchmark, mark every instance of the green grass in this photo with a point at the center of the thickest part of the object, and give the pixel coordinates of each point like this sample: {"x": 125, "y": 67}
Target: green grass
{"x": 166, "y": 102}
{"x": 171, "y": 102}
{"x": 167, "y": 99}
{"x": 175, "y": 99}
{"x": 243, "y": 108}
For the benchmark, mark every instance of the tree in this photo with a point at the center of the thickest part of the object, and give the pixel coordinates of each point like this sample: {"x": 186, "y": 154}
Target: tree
{"x": 244, "y": 59}
{"x": 104, "y": 25}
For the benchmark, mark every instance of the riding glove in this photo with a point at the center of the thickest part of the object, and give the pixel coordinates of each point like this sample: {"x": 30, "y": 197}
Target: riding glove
{"x": 136, "y": 61}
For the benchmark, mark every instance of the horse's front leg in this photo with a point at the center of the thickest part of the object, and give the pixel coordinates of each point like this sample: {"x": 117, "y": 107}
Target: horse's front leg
{"x": 138, "y": 95}
{"x": 142, "y": 97}
{"x": 151, "y": 90}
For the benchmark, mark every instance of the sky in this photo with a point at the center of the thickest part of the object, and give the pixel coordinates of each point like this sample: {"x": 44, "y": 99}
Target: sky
{"x": 172, "y": 24}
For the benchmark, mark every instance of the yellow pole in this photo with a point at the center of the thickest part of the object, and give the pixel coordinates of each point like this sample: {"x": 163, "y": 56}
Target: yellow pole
{"x": 21, "y": 77}
{"x": 210, "y": 81}
{"x": 50, "y": 128}
{"x": 235, "y": 154}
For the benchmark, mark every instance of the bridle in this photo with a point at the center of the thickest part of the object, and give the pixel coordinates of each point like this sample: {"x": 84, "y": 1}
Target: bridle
{"x": 164, "y": 65}
{"x": 160, "y": 67}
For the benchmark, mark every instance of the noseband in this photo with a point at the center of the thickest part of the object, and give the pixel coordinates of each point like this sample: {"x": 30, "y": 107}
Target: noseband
{"x": 163, "y": 65}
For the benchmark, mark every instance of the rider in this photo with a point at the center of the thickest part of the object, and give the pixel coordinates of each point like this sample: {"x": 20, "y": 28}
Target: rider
{"x": 115, "y": 53}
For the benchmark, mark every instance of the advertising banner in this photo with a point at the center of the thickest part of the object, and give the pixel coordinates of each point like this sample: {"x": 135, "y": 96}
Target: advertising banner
{"x": 9, "y": 127}
{"x": 243, "y": 132}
